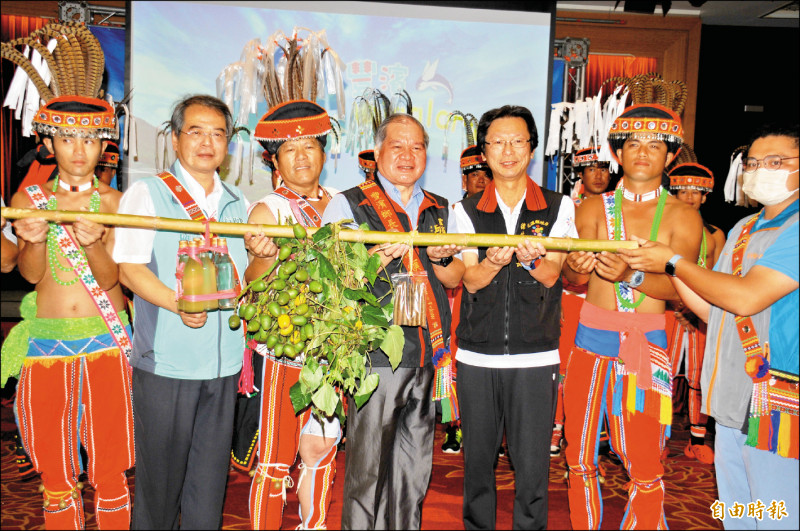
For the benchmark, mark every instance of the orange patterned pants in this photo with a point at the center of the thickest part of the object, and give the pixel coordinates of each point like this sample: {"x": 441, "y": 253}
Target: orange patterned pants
{"x": 636, "y": 438}
{"x": 66, "y": 401}
{"x": 279, "y": 441}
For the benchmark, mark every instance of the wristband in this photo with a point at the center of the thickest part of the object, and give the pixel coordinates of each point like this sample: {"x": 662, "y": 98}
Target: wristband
{"x": 444, "y": 262}
{"x": 532, "y": 265}
{"x": 669, "y": 268}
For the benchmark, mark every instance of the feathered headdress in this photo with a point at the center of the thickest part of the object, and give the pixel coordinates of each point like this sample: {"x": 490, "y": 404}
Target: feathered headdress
{"x": 67, "y": 76}
{"x": 367, "y": 113}
{"x": 733, "y": 181}
{"x": 644, "y": 89}
{"x": 284, "y": 71}
{"x": 474, "y": 157}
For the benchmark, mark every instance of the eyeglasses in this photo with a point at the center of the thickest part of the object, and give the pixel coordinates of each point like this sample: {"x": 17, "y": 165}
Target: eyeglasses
{"x": 197, "y": 134}
{"x": 497, "y": 145}
{"x": 770, "y": 162}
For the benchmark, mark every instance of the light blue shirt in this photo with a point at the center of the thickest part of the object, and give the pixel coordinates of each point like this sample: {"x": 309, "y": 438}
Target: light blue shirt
{"x": 339, "y": 208}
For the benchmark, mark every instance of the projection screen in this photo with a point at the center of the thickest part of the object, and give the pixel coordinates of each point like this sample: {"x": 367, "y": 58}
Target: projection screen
{"x": 446, "y": 58}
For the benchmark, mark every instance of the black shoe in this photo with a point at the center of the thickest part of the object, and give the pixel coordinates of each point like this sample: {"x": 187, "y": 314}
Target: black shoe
{"x": 452, "y": 440}
{"x": 501, "y": 452}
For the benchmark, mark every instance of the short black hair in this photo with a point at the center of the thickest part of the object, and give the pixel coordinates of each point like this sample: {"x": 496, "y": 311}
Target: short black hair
{"x": 179, "y": 112}
{"x": 507, "y": 111}
{"x": 790, "y": 130}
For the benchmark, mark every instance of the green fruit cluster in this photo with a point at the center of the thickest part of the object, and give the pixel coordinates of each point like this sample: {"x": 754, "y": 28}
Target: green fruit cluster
{"x": 280, "y": 312}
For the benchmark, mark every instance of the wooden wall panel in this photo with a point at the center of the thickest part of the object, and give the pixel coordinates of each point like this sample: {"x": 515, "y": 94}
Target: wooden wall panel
{"x": 673, "y": 41}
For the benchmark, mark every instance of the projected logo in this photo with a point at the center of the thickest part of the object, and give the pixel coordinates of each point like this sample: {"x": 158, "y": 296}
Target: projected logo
{"x": 431, "y": 79}
{"x": 362, "y": 73}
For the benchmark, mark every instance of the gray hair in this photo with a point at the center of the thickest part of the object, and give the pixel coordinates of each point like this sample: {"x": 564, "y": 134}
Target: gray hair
{"x": 380, "y": 134}
{"x": 178, "y": 113}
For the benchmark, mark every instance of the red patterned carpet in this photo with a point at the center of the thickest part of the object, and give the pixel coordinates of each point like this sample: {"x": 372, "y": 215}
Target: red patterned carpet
{"x": 690, "y": 492}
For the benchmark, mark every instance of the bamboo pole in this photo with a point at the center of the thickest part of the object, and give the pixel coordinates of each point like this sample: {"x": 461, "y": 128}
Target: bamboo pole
{"x": 275, "y": 231}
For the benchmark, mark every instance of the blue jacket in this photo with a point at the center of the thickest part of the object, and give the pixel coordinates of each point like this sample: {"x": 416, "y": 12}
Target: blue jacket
{"x": 162, "y": 344}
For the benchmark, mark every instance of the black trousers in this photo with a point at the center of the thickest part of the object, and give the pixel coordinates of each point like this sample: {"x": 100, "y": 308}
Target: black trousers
{"x": 183, "y": 431}
{"x": 522, "y": 400}
{"x": 389, "y": 452}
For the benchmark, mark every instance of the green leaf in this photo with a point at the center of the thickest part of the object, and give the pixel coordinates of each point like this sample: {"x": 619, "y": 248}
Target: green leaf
{"x": 310, "y": 378}
{"x": 357, "y": 365}
{"x": 326, "y": 269}
{"x": 360, "y": 251}
{"x": 325, "y": 399}
{"x": 392, "y": 345}
{"x": 368, "y": 385}
{"x": 372, "y": 268}
{"x": 340, "y": 412}
{"x": 370, "y": 299}
{"x": 300, "y": 400}
{"x": 374, "y": 316}
{"x": 388, "y": 310}
{"x": 355, "y": 294}
{"x": 323, "y": 233}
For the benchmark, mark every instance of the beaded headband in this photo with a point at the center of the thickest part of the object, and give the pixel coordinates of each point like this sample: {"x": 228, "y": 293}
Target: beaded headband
{"x": 587, "y": 157}
{"x": 691, "y": 176}
{"x": 110, "y": 156}
{"x": 292, "y": 120}
{"x": 52, "y": 118}
{"x": 472, "y": 159}
{"x": 366, "y": 161}
{"x": 650, "y": 119}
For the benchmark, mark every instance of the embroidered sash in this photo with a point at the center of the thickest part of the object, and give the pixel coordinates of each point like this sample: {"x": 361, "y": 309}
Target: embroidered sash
{"x": 81, "y": 267}
{"x": 183, "y": 196}
{"x": 647, "y": 369}
{"x": 775, "y": 402}
{"x": 442, "y": 359}
{"x": 609, "y": 204}
{"x": 196, "y": 214}
{"x": 303, "y": 212}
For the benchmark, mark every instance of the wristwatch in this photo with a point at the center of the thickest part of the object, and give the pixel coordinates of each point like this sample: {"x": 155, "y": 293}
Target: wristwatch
{"x": 444, "y": 262}
{"x": 636, "y": 279}
{"x": 670, "y": 267}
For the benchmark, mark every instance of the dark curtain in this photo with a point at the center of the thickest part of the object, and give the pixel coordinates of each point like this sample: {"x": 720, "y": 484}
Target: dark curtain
{"x": 600, "y": 67}
{"x": 14, "y": 145}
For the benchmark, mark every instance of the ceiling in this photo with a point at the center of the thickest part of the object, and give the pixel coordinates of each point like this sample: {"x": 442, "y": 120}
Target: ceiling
{"x": 715, "y": 13}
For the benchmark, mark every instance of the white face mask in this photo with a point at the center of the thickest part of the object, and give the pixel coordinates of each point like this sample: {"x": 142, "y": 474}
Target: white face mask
{"x": 767, "y": 187}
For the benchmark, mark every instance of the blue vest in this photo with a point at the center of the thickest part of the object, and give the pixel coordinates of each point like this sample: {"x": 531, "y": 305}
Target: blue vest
{"x": 162, "y": 344}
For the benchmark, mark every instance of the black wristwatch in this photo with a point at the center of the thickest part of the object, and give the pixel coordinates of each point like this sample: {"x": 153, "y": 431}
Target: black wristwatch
{"x": 444, "y": 262}
{"x": 669, "y": 268}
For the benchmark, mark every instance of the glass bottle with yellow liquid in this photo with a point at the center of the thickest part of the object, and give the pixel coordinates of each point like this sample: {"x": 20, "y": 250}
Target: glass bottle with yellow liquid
{"x": 209, "y": 280}
{"x": 193, "y": 280}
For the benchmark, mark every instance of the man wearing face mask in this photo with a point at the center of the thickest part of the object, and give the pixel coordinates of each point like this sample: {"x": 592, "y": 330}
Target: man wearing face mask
{"x": 750, "y": 301}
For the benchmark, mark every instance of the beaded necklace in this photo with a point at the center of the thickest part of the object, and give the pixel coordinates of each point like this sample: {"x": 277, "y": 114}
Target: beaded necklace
{"x": 630, "y": 196}
{"x": 662, "y": 199}
{"x": 53, "y": 249}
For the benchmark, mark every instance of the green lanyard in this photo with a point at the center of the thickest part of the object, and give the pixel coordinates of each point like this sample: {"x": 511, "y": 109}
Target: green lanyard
{"x": 701, "y": 260}
{"x": 662, "y": 199}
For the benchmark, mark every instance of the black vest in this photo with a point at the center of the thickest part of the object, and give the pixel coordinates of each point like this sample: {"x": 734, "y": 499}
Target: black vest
{"x": 432, "y": 218}
{"x": 515, "y": 313}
